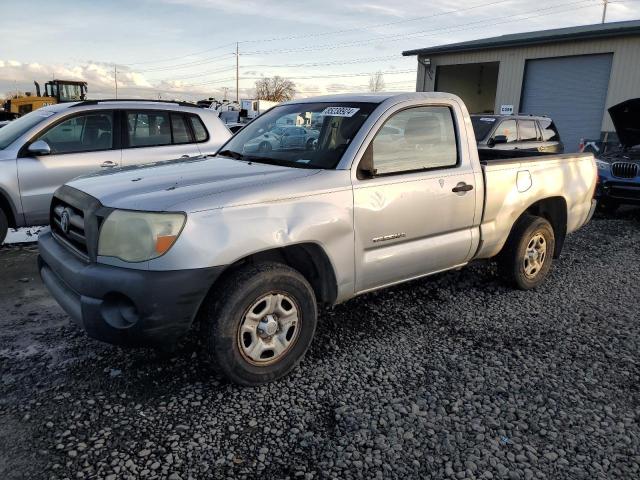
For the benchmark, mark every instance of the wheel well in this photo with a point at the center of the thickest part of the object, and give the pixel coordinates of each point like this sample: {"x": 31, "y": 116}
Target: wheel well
{"x": 554, "y": 210}
{"x": 307, "y": 258}
{"x": 8, "y": 211}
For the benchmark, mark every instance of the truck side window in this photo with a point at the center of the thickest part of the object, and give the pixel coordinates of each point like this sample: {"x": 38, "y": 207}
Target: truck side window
{"x": 418, "y": 138}
{"x": 509, "y": 129}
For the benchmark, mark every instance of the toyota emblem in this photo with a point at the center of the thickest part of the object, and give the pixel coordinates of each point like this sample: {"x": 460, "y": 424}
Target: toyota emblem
{"x": 64, "y": 221}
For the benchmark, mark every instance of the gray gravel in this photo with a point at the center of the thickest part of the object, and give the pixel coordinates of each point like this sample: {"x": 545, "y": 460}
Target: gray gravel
{"x": 451, "y": 377}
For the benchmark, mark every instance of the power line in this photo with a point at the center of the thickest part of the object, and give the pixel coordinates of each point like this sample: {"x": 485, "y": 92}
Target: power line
{"x": 339, "y": 75}
{"x": 396, "y": 37}
{"x": 186, "y": 65}
{"x": 403, "y": 36}
{"x": 378, "y": 25}
{"x": 321, "y": 34}
{"x": 180, "y": 57}
{"x": 293, "y": 65}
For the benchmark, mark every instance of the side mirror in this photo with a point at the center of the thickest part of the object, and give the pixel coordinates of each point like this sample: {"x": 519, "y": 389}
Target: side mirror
{"x": 498, "y": 139}
{"x": 39, "y": 147}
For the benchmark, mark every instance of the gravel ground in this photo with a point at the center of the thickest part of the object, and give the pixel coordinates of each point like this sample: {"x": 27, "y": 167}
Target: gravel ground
{"x": 451, "y": 377}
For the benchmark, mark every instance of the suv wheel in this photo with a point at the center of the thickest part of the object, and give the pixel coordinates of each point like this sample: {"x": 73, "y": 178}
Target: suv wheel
{"x": 4, "y": 226}
{"x": 527, "y": 256}
{"x": 258, "y": 324}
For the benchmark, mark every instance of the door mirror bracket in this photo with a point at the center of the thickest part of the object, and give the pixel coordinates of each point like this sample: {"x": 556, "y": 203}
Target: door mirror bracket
{"x": 365, "y": 167}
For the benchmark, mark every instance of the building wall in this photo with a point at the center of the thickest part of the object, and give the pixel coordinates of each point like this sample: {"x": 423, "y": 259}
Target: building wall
{"x": 623, "y": 84}
{"x": 475, "y": 82}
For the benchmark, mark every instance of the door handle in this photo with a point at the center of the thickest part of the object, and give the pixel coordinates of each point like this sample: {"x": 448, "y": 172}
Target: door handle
{"x": 185, "y": 156}
{"x": 109, "y": 164}
{"x": 462, "y": 187}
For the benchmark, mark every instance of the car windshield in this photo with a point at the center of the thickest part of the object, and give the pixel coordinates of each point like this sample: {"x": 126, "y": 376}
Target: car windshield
{"x": 482, "y": 126}
{"x": 17, "y": 128}
{"x": 303, "y": 135}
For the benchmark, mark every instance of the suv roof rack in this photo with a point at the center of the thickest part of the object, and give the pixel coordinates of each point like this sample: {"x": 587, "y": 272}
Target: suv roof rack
{"x": 142, "y": 100}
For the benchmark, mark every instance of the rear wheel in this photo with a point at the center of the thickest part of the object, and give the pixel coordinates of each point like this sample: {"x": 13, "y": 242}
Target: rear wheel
{"x": 4, "y": 226}
{"x": 527, "y": 256}
{"x": 261, "y": 325}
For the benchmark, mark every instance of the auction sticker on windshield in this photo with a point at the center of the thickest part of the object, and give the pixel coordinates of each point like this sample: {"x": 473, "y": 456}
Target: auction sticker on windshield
{"x": 340, "y": 111}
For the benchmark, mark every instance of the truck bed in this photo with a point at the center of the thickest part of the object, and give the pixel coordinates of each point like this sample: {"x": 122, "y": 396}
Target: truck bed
{"x": 513, "y": 185}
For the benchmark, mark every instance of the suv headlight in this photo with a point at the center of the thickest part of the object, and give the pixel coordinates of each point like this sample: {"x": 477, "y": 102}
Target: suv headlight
{"x": 603, "y": 165}
{"x": 139, "y": 236}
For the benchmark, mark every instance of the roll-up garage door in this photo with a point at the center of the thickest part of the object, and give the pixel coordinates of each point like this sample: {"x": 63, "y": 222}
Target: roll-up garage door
{"x": 570, "y": 90}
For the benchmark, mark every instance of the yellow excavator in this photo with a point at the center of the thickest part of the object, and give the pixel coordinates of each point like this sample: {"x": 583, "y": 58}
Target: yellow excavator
{"x": 55, "y": 91}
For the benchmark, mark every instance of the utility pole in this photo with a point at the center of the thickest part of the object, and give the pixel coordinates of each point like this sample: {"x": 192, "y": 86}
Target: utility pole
{"x": 604, "y": 10}
{"x": 237, "y": 72}
{"x": 115, "y": 78}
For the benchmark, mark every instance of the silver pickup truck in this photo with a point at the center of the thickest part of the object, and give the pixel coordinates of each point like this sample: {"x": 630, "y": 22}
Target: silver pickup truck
{"x": 247, "y": 245}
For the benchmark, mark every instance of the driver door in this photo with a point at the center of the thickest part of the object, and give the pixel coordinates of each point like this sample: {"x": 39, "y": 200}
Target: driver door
{"x": 80, "y": 144}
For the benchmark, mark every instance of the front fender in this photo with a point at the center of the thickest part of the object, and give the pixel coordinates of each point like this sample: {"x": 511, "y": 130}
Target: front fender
{"x": 224, "y": 236}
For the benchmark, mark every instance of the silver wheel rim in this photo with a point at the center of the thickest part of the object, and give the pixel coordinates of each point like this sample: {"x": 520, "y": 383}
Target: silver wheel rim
{"x": 269, "y": 328}
{"x": 535, "y": 255}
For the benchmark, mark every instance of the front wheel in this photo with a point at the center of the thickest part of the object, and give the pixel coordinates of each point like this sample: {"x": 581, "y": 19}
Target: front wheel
{"x": 527, "y": 256}
{"x": 262, "y": 323}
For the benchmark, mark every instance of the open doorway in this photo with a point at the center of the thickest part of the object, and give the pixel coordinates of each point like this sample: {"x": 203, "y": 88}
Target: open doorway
{"x": 475, "y": 83}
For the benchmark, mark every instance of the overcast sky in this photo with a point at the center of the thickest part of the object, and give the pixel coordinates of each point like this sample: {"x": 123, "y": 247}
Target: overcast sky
{"x": 185, "y": 48}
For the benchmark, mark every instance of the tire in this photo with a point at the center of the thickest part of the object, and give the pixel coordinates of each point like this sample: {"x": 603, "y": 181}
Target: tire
{"x": 236, "y": 326}
{"x": 529, "y": 234}
{"x": 4, "y": 226}
{"x": 264, "y": 147}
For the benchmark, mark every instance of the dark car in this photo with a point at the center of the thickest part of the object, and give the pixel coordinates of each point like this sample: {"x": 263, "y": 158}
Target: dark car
{"x": 619, "y": 168}
{"x": 508, "y": 136}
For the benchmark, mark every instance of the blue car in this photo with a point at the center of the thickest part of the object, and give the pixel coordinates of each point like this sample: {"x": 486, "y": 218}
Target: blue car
{"x": 619, "y": 169}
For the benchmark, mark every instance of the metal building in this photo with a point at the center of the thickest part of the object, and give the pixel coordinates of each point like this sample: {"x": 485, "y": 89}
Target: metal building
{"x": 570, "y": 74}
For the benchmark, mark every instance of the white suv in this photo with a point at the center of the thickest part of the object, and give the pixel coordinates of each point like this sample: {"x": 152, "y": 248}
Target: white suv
{"x": 50, "y": 146}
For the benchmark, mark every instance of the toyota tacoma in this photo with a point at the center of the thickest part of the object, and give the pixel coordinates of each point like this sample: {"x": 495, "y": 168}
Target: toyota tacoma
{"x": 246, "y": 244}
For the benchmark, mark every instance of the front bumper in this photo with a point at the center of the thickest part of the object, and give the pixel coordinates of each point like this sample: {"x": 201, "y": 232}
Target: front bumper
{"x": 620, "y": 191}
{"x": 119, "y": 305}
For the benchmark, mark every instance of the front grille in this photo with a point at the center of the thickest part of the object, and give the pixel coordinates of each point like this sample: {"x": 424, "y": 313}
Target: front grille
{"x": 624, "y": 170}
{"x": 67, "y": 222}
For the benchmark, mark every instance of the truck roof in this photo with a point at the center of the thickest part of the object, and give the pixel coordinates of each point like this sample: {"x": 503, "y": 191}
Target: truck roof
{"x": 377, "y": 97}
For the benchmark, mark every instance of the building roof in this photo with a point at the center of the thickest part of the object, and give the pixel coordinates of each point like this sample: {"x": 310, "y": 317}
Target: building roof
{"x": 583, "y": 32}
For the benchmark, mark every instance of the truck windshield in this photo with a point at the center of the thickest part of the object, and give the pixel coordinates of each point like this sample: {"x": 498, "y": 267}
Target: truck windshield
{"x": 482, "y": 126}
{"x": 17, "y": 128}
{"x": 302, "y": 135}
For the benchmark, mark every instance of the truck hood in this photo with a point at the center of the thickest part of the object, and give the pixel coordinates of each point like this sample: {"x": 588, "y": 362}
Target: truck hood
{"x": 626, "y": 120}
{"x": 173, "y": 184}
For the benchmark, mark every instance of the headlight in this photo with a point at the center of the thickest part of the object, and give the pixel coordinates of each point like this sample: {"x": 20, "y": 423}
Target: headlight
{"x": 139, "y": 236}
{"x": 603, "y": 165}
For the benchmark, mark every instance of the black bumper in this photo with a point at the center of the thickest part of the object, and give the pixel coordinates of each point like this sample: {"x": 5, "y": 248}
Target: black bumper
{"x": 620, "y": 192}
{"x": 119, "y": 305}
